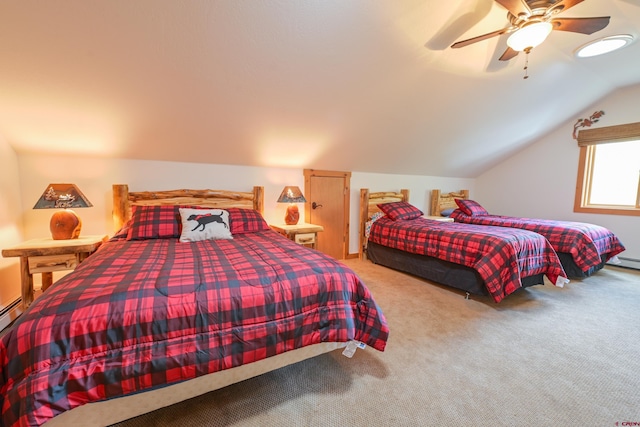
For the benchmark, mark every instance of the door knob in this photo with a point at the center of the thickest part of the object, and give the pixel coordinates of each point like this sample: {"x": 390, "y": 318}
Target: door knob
{"x": 314, "y": 205}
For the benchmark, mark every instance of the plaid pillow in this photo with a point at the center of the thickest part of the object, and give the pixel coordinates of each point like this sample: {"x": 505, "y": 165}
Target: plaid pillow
{"x": 154, "y": 222}
{"x": 124, "y": 231}
{"x": 246, "y": 221}
{"x": 471, "y": 207}
{"x": 400, "y": 210}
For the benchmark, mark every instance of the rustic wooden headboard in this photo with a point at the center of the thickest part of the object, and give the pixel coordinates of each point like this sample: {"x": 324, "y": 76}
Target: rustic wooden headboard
{"x": 440, "y": 201}
{"x": 123, "y": 199}
{"x": 369, "y": 205}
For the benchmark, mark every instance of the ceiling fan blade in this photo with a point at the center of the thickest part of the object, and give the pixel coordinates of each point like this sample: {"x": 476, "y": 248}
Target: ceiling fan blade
{"x": 563, "y": 5}
{"x": 581, "y": 25}
{"x": 508, "y": 54}
{"x": 516, "y": 7}
{"x": 467, "y": 42}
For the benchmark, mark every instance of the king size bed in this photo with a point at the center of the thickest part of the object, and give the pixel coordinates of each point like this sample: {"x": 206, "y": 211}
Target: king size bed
{"x": 478, "y": 260}
{"x": 583, "y": 248}
{"x": 193, "y": 292}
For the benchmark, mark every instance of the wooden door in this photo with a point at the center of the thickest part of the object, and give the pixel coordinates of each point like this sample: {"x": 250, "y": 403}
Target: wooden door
{"x": 327, "y": 194}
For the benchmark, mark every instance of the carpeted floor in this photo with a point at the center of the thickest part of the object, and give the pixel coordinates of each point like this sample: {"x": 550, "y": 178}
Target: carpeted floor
{"x": 544, "y": 356}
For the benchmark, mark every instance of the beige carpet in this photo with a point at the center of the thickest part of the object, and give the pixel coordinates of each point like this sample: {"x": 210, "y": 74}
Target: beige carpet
{"x": 544, "y": 356}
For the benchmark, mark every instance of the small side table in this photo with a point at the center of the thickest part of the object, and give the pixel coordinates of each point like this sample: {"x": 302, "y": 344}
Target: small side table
{"x": 46, "y": 256}
{"x": 302, "y": 233}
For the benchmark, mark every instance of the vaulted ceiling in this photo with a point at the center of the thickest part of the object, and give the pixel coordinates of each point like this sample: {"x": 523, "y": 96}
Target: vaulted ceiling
{"x": 358, "y": 85}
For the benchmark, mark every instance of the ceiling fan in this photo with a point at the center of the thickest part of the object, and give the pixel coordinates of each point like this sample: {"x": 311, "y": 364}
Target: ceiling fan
{"x": 533, "y": 20}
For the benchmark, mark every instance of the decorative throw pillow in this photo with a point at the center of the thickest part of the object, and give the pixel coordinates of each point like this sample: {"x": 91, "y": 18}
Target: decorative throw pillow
{"x": 154, "y": 222}
{"x": 246, "y": 221}
{"x": 204, "y": 224}
{"x": 471, "y": 208}
{"x": 400, "y": 210}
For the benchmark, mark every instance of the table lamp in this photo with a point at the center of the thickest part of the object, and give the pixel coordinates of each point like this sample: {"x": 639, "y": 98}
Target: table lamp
{"x": 65, "y": 224}
{"x": 291, "y": 195}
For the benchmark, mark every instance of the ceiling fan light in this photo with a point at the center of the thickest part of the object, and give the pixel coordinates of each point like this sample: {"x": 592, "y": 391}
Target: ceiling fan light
{"x": 604, "y": 45}
{"x": 529, "y": 36}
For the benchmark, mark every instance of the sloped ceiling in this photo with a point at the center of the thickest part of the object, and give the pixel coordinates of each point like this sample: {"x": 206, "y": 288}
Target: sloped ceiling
{"x": 358, "y": 85}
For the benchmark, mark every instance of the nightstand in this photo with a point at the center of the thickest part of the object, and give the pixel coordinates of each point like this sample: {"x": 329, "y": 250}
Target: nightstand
{"x": 438, "y": 218}
{"x": 46, "y": 256}
{"x": 302, "y": 233}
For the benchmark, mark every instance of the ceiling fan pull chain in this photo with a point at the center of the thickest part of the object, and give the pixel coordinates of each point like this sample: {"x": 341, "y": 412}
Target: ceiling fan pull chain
{"x": 526, "y": 63}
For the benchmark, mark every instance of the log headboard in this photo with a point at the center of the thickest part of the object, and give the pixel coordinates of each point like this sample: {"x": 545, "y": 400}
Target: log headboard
{"x": 369, "y": 205}
{"x": 123, "y": 199}
{"x": 441, "y": 201}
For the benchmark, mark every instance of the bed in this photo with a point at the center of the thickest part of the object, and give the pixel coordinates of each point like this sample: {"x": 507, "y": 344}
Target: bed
{"x": 582, "y": 248}
{"x": 160, "y": 313}
{"x": 479, "y": 260}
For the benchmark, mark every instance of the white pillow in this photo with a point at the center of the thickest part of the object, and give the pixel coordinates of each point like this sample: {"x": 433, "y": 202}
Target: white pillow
{"x": 204, "y": 224}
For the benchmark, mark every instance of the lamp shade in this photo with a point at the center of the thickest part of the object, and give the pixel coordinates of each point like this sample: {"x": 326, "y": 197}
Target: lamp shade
{"x": 64, "y": 224}
{"x": 529, "y": 36}
{"x": 291, "y": 195}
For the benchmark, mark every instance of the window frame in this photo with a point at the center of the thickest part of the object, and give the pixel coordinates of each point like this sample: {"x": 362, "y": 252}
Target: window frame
{"x": 592, "y": 137}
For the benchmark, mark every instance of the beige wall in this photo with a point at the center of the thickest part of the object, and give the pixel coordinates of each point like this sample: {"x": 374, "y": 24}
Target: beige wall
{"x": 540, "y": 181}
{"x": 10, "y": 223}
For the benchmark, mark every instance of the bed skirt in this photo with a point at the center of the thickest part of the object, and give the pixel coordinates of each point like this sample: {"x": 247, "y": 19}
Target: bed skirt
{"x": 436, "y": 270}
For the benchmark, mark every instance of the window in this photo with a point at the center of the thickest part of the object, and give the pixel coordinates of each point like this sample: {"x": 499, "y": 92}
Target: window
{"x": 609, "y": 170}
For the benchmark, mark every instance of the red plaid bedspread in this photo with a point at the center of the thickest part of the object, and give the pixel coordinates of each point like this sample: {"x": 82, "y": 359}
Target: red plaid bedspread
{"x": 501, "y": 256}
{"x": 588, "y": 244}
{"x": 139, "y": 315}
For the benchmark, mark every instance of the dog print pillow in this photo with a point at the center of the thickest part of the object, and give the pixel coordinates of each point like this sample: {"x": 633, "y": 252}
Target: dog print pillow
{"x": 204, "y": 224}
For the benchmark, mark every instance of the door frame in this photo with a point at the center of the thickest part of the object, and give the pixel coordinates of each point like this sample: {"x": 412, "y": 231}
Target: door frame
{"x": 308, "y": 173}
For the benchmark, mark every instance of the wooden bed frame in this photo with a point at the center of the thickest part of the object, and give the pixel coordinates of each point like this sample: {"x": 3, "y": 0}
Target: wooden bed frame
{"x": 123, "y": 408}
{"x": 123, "y": 199}
{"x": 441, "y": 201}
{"x": 369, "y": 206}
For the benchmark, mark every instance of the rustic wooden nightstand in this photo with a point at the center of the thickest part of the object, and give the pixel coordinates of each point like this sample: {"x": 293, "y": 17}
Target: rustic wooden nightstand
{"x": 302, "y": 233}
{"x": 46, "y": 256}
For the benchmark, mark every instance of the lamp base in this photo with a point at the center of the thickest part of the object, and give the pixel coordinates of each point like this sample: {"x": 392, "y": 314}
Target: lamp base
{"x": 292, "y": 216}
{"x": 65, "y": 225}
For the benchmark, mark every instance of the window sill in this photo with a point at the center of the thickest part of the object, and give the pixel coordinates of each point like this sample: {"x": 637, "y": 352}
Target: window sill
{"x": 608, "y": 210}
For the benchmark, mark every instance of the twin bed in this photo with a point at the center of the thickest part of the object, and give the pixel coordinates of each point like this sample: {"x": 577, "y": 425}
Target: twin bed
{"x": 158, "y": 315}
{"x": 582, "y": 248}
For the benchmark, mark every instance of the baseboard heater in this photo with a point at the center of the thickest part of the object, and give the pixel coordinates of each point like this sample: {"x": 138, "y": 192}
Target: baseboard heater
{"x": 628, "y": 263}
{"x": 10, "y": 313}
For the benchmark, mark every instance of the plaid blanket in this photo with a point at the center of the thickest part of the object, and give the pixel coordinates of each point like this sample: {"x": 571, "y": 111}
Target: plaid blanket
{"x": 588, "y": 244}
{"x": 501, "y": 256}
{"x": 143, "y": 314}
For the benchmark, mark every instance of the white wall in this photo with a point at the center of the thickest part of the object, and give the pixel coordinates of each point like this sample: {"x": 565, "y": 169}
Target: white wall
{"x": 10, "y": 223}
{"x": 540, "y": 181}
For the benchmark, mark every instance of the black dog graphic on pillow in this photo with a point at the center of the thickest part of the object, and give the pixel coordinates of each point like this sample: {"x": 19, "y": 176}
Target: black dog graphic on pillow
{"x": 205, "y": 219}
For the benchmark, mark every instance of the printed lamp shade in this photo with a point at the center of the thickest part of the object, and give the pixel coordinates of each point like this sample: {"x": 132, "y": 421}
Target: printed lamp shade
{"x": 65, "y": 223}
{"x": 291, "y": 195}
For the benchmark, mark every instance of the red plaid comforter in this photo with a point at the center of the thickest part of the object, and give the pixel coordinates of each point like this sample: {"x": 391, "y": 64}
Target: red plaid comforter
{"x": 139, "y": 315}
{"x": 501, "y": 256}
{"x": 587, "y": 244}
